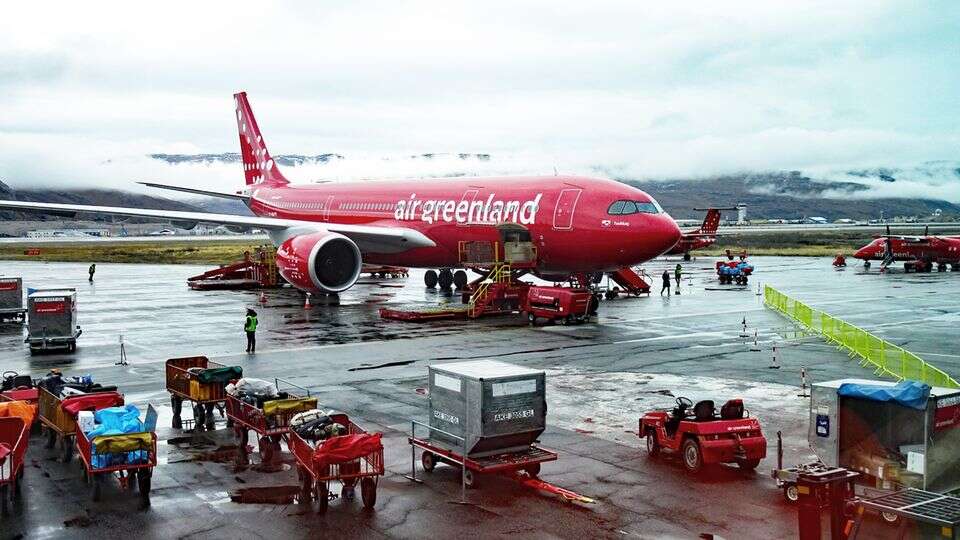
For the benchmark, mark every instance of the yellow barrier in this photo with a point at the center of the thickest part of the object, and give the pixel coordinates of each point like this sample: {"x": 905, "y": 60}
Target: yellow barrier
{"x": 885, "y": 357}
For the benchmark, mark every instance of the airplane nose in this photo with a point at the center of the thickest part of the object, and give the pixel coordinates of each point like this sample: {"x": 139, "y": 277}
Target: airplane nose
{"x": 862, "y": 253}
{"x": 669, "y": 233}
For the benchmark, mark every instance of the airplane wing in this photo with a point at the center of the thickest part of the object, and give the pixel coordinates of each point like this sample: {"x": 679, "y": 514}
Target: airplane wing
{"x": 368, "y": 237}
{"x": 196, "y": 191}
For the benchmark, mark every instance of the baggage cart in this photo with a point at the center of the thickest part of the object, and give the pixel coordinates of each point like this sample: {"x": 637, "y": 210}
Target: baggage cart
{"x": 60, "y": 425}
{"x": 15, "y": 436}
{"x": 18, "y": 387}
{"x": 315, "y": 480}
{"x": 528, "y": 459}
{"x": 270, "y": 428}
{"x": 130, "y": 457}
{"x": 52, "y": 322}
{"x": 11, "y": 300}
{"x": 186, "y": 385}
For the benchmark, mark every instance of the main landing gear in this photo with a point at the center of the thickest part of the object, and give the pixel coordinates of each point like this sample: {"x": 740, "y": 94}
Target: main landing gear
{"x": 446, "y": 279}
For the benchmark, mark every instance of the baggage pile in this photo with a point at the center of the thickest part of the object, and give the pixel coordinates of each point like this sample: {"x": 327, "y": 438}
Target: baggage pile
{"x": 62, "y": 398}
{"x": 201, "y": 382}
{"x": 262, "y": 407}
{"x": 114, "y": 441}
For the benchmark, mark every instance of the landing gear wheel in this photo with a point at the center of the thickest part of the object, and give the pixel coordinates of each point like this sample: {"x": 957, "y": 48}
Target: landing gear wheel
{"x": 143, "y": 484}
{"x": 692, "y": 456}
{"x": 790, "y": 493}
{"x": 653, "y": 445}
{"x": 686, "y": 256}
{"x": 430, "y": 278}
{"x": 428, "y": 460}
{"x": 460, "y": 279}
{"x": 890, "y": 518}
{"x": 532, "y": 470}
{"x": 445, "y": 279}
{"x": 748, "y": 464}
{"x": 470, "y": 479}
{"x": 368, "y": 492}
{"x": 941, "y": 267}
{"x": 323, "y": 497}
{"x": 866, "y": 264}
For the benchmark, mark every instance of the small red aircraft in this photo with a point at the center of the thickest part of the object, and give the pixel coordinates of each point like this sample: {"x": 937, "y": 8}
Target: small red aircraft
{"x": 701, "y": 237}
{"x": 919, "y": 253}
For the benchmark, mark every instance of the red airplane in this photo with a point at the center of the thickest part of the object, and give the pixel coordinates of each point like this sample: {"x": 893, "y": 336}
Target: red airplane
{"x": 919, "y": 253}
{"x": 324, "y": 232}
{"x": 701, "y": 237}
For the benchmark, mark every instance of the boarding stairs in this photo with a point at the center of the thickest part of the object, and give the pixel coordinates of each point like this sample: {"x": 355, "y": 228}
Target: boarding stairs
{"x": 257, "y": 271}
{"x": 497, "y": 293}
{"x": 630, "y": 281}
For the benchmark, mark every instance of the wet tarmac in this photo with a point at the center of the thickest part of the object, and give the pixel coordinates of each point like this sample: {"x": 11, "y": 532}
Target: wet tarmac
{"x": 641, "y": 353}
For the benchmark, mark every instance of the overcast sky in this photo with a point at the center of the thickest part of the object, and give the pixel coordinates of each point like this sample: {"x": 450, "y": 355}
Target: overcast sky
{"x": 632, "y": 88}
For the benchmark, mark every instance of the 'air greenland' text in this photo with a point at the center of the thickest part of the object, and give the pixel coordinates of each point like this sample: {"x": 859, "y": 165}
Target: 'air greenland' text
{"x": 468, "y": 212}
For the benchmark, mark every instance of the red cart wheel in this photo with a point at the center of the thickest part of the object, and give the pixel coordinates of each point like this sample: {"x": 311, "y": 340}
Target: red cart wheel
{"x": 428, "y": 460}
{"x": 470, "y": 479}
{"x": 67, "y": 449}
{"x": 368, "y": 491}
{"x": 96, "y": 487}
{"x": 306, "y": 485}
{"x": 143, "y": 483}
{"x": 243, "y": 459}
{"x": 51, "y": 437}
{"x": 533, "y": 470}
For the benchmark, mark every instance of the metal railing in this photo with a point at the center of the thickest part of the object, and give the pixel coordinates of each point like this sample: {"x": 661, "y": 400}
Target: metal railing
{"x": 884, "y": 357}
{"x": 462, "y": 462}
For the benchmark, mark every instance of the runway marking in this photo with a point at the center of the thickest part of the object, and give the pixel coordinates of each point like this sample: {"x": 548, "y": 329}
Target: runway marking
{"x": 676, "y": 336}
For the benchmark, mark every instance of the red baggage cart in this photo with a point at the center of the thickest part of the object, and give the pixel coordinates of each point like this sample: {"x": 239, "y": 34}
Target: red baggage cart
{"x": 315, "y": 477}
{"x": 60, "y": 424}
{"x": 124, "y": 456}
{"x": 186, "y": 385}
{"x": 14, "y": 438}
{"x": 271, "y": 423}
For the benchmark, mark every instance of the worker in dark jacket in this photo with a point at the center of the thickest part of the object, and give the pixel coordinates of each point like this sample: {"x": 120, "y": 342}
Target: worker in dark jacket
{"x": 250, "y": 327}
{"x": 677, "y": 274}
{"x": 666, "y": 283}
{"x": 91, "y": 271}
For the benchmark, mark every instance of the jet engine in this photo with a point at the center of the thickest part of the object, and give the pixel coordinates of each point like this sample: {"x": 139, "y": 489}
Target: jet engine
{"x": 321, "y": 262}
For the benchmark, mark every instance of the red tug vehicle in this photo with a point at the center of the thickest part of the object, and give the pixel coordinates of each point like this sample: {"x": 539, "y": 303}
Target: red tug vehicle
{"x": 702, "y": 437}
{"x": 559, "y": 304}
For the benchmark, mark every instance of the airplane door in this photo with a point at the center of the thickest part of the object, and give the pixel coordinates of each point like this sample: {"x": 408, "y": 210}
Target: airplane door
{"x": 469, "y": 195}
{"x": 326, "y": 208}
{"x": 566, "y": 205}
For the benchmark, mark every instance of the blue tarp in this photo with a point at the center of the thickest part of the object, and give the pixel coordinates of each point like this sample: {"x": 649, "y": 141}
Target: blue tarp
{"x": 116, "y": 421}
{"x": 913, "y": 394}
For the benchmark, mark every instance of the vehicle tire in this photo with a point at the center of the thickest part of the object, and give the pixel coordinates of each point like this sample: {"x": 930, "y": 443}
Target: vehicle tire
{"x": 533, "y": 470}
{"x": 470, "y": 479}
{"x": 692, "y": 456}
{"x": 428, "y": 460}
{"x": 460, "y": 279}
{"x": 653, "y": 445}
{"x": 430, "y": 278}
{"x": 790, "y": 493}
{"x": 568, "y": 320}
{"x": 748, "y": 464}
{"x": 531, "y": 318}
{"x": 368, "y": 492}
{"x": 889, "y": 518}
{"x": 866, "y": 265}
{"x": 347, "y": 492}
{"x": 66, "y": 453}
{"x": 323, "y": 497}
{"x": 445, "y": 279}
{"x": 144, "y": 477}
{"x": 96, "y": 486}
{"x": 306, "y": 486}
{"x": 941, "y": 267}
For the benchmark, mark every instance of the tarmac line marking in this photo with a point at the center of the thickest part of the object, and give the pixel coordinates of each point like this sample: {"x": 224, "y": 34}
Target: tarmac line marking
{"x": 677, "y": 336}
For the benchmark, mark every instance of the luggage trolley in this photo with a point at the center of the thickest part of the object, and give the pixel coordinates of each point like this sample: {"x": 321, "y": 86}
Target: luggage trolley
{"x": 315, "y": 479}
{"x": 62, "y": 426}
{"x": 271, "y": 424}
{"x": 127, "y": 456}
{"x": 14, "y": 438}
{"x": 184, "y": 384}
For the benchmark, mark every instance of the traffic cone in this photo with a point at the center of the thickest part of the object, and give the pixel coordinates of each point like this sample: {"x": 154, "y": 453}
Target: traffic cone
{"x": 775, "y": 360}
{"x": 306, "y": 303}
{"x": 756, "y": 343}
{"x": 263, "y": 297}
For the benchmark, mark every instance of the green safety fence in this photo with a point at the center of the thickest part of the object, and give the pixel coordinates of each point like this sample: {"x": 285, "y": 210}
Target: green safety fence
{"x": 885, "y": 357}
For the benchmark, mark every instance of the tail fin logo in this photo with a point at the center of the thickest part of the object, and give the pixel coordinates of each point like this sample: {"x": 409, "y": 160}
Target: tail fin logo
{"x": 258, "y": 166}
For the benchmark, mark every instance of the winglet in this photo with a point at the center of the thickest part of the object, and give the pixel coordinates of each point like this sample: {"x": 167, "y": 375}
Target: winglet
{"x": 258, "y": 165}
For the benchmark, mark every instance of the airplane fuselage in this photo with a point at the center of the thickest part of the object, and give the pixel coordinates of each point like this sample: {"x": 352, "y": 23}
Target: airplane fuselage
{"x": 568, "y": 218}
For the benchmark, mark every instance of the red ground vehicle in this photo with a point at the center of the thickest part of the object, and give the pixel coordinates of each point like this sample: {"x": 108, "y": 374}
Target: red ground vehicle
{"x": 14, "y": 437}
{"x": 704, "y": 438}
{"x": 561, "y": 304}
{"x": 315, "y": 478}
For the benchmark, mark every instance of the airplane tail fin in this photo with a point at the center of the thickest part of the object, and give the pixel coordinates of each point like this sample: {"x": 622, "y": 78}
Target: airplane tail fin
{"x": 258, "y": 165}
{"x": 711, "y": 222}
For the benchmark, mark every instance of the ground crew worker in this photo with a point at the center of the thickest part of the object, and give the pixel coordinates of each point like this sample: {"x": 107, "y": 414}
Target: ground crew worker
{"x": 250, "y": 327}
{"x": 666, "y": 283}
{"x": 93, "y": 268}
{"x": 677, "y": 274}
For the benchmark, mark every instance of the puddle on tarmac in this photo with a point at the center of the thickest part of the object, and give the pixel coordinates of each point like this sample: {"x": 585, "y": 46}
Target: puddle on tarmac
{"x": 265, "y": 495}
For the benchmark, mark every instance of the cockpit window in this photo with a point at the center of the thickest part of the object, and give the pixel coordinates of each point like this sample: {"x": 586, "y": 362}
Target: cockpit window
{"x": 625, "y": 208}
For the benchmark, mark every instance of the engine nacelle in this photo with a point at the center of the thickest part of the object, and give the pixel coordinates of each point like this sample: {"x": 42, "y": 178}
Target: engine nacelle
{"x": 321, "y": 262}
